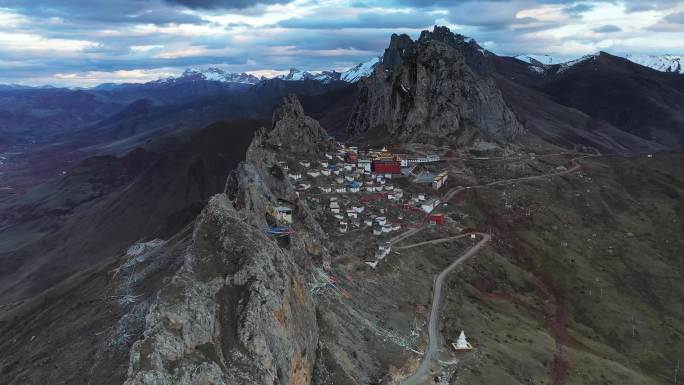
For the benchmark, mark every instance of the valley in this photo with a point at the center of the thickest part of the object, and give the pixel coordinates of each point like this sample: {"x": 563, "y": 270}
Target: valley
{"x": 438, "y": 215}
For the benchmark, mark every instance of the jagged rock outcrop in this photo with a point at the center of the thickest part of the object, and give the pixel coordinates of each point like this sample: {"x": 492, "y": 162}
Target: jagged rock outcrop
{"x": 239, "y": 311}
{"x": 433, "y": 90}
{"x": 295, "y": 133}
{"x": 298, "y": 136}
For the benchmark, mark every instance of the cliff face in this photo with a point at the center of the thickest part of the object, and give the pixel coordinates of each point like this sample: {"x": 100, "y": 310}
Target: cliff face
{"x": 431, "y": 90}
{"x": 239, "y": 310}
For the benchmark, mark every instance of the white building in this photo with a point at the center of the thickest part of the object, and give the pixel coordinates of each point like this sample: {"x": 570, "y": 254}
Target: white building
{"x": 295, "y": 176}
{"x": 462, "y": 343}
{"x": 342, "y": 228}
{"x": 325, "y": 172}
{"x": 425, "y": 159}
{"x": 429, "y": 205}
{"x": 284, "y": 214}
{"x": 341, "y": 190}
{"x": 364, "y": 164}
{"x": 305, "y": 163}
{"x": 440, "y": 180}
{"x": 325, "y": 189}
{"x": 313, "y": 173}
{"x": 383, "y": 250}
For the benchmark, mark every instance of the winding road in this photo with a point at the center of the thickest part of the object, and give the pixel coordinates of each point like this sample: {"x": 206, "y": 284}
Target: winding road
{"x": 435, "y": 340}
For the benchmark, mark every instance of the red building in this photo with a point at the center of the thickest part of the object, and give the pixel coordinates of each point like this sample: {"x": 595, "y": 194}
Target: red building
{"x": 387, "y": 166}
{"x": 436, "y": 219}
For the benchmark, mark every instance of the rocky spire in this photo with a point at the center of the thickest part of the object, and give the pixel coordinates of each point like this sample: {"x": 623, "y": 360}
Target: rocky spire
{"x": 295, "y": 133}
{"x": 431, "y": 91}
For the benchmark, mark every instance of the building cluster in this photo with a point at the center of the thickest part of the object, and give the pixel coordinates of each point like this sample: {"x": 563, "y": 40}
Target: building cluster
{"x": 358, "y": 189}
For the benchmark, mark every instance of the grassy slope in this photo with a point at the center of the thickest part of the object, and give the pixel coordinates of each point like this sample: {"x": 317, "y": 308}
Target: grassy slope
{"x": 585, "y": 287}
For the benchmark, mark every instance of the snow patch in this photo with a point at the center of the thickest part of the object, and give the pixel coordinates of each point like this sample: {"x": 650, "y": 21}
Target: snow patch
{"x": 360, "y": 71}
{"x": 567, "y": 65}
{"x": 662, "y": 63}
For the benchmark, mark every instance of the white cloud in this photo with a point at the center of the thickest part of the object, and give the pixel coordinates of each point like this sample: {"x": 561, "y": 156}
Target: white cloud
{"x": 85, "y": 43}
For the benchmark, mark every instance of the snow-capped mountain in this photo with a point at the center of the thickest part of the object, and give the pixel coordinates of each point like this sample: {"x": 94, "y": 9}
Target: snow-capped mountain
{"x": 364, "y": 69}
{"x": 538, "y": 59}
{"x": 218, "y": 75}
{"x": 569, "y": 64}
{"x": 352, "y": 75}
{"x": 299, "y": 75}
{"x": 663, "y": 63}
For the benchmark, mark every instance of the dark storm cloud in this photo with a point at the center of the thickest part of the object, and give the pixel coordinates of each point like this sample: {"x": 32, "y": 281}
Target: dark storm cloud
{"x": 368, "y": 40}
{"x": 225, "y": 4}
{"x": 491, "y": 15}
{"x": 168, "y": 35}
{"x": 102, "y": 12}
{"x": 608, "y": 28}
{"x": 363, "y": 20}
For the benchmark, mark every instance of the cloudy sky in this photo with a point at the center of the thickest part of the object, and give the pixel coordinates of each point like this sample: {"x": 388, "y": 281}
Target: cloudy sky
{"x": 83, "y": 43}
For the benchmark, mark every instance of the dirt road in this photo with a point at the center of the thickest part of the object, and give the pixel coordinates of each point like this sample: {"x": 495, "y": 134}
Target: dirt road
{"x": 435, "y": 340}
{"x": 575, "y": 167}
{"x": 434, "y": 344}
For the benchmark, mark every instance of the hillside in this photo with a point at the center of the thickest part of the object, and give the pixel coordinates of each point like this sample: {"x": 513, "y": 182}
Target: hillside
{"x": 630, "y": 97}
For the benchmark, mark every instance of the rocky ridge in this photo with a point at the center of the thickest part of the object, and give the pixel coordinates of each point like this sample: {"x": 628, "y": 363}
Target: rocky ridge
{"x": 239, "y": 309}
{"x": 433, "y": 89}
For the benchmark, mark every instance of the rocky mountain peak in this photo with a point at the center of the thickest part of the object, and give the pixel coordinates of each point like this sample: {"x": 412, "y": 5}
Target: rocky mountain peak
{"x": 292, "y": 133}
{"x": 399, "y": 46}
{"x": 442, "y": 34}
{"x": 435, "y": 89}
{"x": 290, "y": 109}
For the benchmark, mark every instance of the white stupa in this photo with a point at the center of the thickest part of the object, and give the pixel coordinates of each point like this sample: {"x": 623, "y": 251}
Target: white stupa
{"x": 462, "y": 343}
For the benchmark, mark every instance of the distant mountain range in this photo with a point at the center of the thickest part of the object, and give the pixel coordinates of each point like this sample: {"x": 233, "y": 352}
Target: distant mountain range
{"x": 662, "y": 63}
{"x": 537, "y": 62}
{"x": 213, "y": 74}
